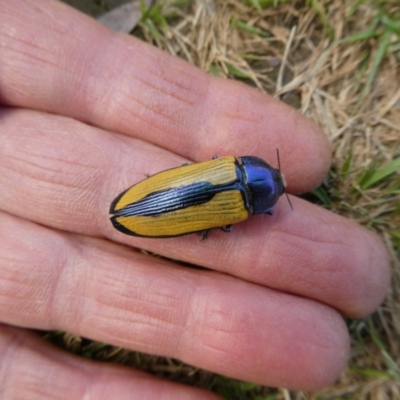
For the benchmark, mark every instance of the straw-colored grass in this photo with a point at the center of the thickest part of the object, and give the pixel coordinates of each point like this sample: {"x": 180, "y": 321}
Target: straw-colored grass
{"x": 338, "y": 62}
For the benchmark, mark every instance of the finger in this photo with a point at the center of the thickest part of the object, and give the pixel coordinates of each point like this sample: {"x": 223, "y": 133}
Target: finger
{"x": 122, "y": 84}
{"x": 61, "y": 173}
{"x": 308, "y": 252}
{"x": 112, "y": 294}
{"x": 35, "y": 370}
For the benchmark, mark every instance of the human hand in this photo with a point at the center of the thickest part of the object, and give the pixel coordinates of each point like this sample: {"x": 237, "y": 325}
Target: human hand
{"x": 87, "y": 113}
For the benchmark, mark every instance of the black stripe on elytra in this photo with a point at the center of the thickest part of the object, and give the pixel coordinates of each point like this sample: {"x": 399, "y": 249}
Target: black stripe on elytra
{"x": 177, "y": 198}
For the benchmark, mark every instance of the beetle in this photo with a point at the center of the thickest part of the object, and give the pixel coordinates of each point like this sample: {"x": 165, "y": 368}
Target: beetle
{"x": 198, "y": 197}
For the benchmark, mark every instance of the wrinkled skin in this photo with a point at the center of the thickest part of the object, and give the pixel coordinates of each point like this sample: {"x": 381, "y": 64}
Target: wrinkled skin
{"x": 85, "y": 113}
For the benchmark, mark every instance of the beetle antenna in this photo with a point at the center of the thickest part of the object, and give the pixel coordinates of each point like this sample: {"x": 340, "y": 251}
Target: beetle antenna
{"x": 279, "y": 169}
{"x": 279, "y": 160}
{"x": 288, "y": 199}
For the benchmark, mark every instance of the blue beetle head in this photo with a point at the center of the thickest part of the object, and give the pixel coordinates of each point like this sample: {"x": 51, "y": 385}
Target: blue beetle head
{"x": 265, "y": 184}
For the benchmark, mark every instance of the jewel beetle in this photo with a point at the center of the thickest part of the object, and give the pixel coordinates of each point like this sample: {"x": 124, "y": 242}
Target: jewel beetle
{"x": 198, "y": 197}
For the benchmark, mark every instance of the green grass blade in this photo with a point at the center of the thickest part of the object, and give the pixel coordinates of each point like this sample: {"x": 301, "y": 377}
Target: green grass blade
{"x": 380, "y": 54}
{"x": 152, "y": 29}
{"x": 379, "y": 175}
{"x": 372, "y": 373}
{"x": 249, "y": 28}
{"x": 319, "y": 9}
{"x": 363, "y": 35}
{"x": 214, "y": 70}
{"x": 347, "y": 163}
{"x": 322, "y": 196}
{"x": 269, "y": 3}
{"x": 391, "y": 24}
{"x": 256, "y": 4}
{"x": 239, "y": 73}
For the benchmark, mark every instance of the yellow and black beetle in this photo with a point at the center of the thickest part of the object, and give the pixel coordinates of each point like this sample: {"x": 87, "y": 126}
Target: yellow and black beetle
{"x": 198, "y": 197}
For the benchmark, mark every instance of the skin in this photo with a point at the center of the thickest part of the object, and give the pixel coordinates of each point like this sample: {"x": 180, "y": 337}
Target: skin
{"x": 86, "y": 113}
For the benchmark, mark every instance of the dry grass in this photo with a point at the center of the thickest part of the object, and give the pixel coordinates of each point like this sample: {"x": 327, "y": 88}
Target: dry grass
{"x": 306, "y": 54}
{"x": 312, "y": 56}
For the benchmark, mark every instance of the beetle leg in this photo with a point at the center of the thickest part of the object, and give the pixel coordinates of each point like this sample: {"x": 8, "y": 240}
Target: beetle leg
{"x": 227, "y": 228}
{"x": 270, "y": 212}
{"x": 214, "y": 157}
{"x": 205, "y": 234}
